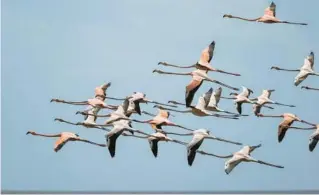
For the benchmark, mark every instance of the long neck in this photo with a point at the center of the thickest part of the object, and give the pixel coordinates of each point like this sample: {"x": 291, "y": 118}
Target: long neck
{"x": 273, "y": 116}
{"x": 246, "y": 19}
{"x": 181, "y": 134}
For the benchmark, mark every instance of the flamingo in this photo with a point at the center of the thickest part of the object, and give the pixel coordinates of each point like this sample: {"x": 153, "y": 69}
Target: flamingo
{"x": 161, "y": 119}
{"x": 95, "y": 102}
{"x": 198, "y": 137}
{"x": 88, "y": 123}
{"x": 243, "y": 155}
{"x": 64, "y": 137}
{"x": 198, "y": 76}
{"x": 310, "y": 88}
{"x": 269, "y": 17}
{"x": 204, "y": 61}
{"x": 306, "y": 69}
{"x": 264, "y": 99}
{"x": 288, "y": 120}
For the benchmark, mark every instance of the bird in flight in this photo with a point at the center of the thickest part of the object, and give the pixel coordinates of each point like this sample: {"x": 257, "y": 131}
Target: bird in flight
{"x": 269, "y": 17}
{"x": 204, "y": 62}
{"x": 306, "y": 69}
{"x": 243, "y": 155}
{"x": 63, "y": 138}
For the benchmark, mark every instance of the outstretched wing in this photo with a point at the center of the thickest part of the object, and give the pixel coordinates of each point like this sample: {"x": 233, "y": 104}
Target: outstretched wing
{"x": 271, "y": 10}
{"x": 282, "y": 129}
{"x": 207, "y": 96}
{"x": 309, "y": 61}
{"x": 207, "y": 54}
{"x": 191, "y": 89}
{"x": 245, "y": 92}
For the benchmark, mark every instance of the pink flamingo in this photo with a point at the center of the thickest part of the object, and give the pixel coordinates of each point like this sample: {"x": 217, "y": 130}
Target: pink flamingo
{"x": 64, "y": 137}
{"x": 269, "y": 17}
{"x": 288, "y": 120}
{"x": 306, "y": 70}
{"x": 204, "y": 61}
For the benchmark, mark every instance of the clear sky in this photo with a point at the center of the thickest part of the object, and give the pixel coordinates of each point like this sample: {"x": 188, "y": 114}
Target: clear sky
{"x": 64, "y": 49}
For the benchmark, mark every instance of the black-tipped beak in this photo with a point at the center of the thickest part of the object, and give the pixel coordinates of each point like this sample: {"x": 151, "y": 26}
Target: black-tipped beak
{"x": 78, "y": 112}
{"x": 27, "y": 133}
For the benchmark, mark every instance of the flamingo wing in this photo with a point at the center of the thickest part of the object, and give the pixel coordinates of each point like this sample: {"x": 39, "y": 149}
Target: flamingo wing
{"x": 154, "y": 146}
{"x": 271, "y": 10}
{"x": 60, "y": 143}
{"x": 309, "y": 61}
{"x": 207, "y": 96}
{"x": 282, "y": 128}
{"x": 191, "y": 89}
{"x": 192, "y": 147}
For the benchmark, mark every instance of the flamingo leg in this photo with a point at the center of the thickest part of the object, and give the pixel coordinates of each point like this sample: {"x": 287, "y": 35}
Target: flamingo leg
{"x": 283, "y": 69}
{"x": 302, "y": 128}
{"x": 281, "y": 104}
{"x": 268, "y": 164}
{"x": 96, "y": 115}
{"x": 172, "y": 73}
{"x": 296, "y": 23}
{"x": 311, "y": 88}
{"x": 222, "y": 71}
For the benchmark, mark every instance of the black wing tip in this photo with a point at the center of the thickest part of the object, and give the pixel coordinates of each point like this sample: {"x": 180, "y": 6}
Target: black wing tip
{"x": 112, "y": 153}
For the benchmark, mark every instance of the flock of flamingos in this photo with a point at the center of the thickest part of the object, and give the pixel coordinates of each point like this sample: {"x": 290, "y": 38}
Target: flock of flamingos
{"x": 207, "y": 105}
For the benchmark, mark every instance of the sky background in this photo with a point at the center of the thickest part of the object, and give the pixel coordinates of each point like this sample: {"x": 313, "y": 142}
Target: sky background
{"x": 64, "y": 49}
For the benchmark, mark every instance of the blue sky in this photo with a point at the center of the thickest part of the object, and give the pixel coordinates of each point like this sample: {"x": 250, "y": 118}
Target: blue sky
{"x": 64, "y": 49}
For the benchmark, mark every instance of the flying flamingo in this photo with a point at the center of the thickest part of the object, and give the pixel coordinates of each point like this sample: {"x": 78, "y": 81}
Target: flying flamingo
{"x": 310, "y": 88}
{"x": 243, "y": 155}
{"x": 88, "y": 123}
{"x": 288, "y": 120}
{"x": 198, "y": 137}
{"x": 161, "y": 119}
{"x": 198, "y": 76}
{"x": 95, "y": 102}
{"x": 264, "y": 99}
{"x": 306, "y": 70}
{"x": 64, "y": 137}
{"x": 269, "y": 17}
{"x": 204, "y": 61}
